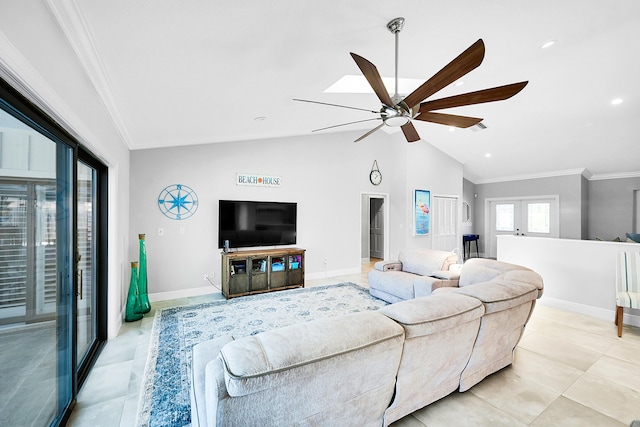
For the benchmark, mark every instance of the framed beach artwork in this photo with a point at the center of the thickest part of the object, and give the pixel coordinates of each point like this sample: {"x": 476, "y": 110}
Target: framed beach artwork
{"x": 421, "y": 212}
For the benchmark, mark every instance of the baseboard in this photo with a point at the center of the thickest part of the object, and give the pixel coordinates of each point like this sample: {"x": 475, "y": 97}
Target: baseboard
{"x": 332, "y": 273}
{"x": 600, "y": 313}
{"x": 183, "y": 293}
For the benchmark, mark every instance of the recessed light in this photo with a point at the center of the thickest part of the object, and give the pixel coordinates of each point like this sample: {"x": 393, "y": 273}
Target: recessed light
{"x": 616, "y": 101}
{"x": 487, "y": 155}
{"x": 459, "y": 83}
{"x": 452, "y": 129}
{"x": 548, "y": 44}
{"x": 260, "y": 119}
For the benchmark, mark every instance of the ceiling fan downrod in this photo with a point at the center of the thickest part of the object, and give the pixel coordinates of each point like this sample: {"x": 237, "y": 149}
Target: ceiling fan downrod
{"x": 395, "y": 26}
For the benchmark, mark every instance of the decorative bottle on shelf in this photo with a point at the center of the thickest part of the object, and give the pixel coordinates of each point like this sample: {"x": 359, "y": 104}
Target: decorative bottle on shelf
{"x": 132, "y": 312}
{"x": 145, "y": 305}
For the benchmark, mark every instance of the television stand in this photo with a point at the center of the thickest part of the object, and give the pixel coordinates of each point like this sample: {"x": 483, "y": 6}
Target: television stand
{"x": 258, "y": 271}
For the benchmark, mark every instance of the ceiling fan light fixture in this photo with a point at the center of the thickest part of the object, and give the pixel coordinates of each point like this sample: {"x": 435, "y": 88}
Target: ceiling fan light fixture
{"x": 396, "y": 121}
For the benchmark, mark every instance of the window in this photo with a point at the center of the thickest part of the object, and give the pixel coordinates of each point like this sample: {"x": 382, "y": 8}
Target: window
{"x": 505, "y": 217}
{"x": 538, "y": 216}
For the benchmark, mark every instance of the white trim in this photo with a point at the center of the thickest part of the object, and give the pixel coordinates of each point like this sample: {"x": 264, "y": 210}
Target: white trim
{"x": 183, "y": 293}
{"x": 620, "y": 175}
{"x": 385, "y": 198}
{"x": 77, "y": 33}
{"x": 333, "y": 273}
{"x": 584, "y": 172}
{"x": 600, "y": 313}
{"x": 536, "y": 176}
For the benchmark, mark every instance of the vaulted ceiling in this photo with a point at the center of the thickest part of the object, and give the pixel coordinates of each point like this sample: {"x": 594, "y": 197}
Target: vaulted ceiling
{"x": 178, "y": 73}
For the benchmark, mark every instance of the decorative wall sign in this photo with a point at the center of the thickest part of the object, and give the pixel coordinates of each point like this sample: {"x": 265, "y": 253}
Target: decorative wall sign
{"x": 258, "y": 180}
{"x": 178, "y": 201}
{"x": 421, "y": 212}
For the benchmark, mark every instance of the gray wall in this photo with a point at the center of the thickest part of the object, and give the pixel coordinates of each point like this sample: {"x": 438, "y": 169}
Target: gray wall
{"x": 324, "y": 173}
{"x": 468, "y": 195}
{"x": 611, "y": 207}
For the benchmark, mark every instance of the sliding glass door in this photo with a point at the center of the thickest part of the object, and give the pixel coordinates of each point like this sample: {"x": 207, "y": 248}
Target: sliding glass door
{"x": 52, "y": 297}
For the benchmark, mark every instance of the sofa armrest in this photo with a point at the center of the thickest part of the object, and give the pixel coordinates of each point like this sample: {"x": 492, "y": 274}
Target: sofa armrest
{"x": 388, "y": 266}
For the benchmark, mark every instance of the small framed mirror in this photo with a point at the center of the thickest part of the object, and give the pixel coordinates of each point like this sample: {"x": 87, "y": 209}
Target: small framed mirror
{"x": 466, "y": 212}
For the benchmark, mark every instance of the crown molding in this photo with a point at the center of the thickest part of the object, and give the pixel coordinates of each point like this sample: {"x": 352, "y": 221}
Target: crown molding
{"x": 20, "y": 74}
{"x": 70, "y": 19}
{"x": 552, "y": 174}
{"x": 618, "y": 175}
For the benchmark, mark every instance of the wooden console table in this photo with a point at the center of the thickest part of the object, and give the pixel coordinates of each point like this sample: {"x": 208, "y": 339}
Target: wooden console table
{"x": 257, "y": 271}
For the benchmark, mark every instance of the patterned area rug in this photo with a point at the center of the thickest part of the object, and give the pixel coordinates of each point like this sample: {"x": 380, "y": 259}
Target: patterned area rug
{"x": 165, "y": 399}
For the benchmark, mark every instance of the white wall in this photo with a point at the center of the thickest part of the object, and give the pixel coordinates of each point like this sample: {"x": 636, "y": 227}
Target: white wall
{"x": 324, "y": 173}
{"x": 578, "y": 275}
{"x": 37, "y": 60}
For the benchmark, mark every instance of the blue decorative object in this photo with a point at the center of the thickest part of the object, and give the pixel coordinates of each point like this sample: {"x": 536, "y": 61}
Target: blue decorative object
{"x": 178, "y": 201}
{"x": 144, "y": 305}
{"x": 421, "y": 212}
{"x": 133, "y": 310}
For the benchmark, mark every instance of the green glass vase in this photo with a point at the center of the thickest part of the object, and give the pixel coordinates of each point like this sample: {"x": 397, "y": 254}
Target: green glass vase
{"x": 132, "y": 312}
{"x": 145, "y": 305}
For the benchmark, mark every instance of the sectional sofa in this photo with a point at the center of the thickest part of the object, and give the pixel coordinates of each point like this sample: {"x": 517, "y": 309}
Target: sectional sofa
{"x": 369, "y": 368}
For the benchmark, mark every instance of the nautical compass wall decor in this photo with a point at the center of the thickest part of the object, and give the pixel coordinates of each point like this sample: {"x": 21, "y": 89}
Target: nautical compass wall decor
{"x": 178, "y": 201}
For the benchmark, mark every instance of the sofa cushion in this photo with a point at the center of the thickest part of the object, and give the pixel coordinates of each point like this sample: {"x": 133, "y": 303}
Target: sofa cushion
{"x": 477, "y": 270}
{"x": 435, "y": 313}
{"x": 251, "y": 361}
{"x": 425, "y": 261}
{"x": 396, "y": 283}
{"x": 499, "y": 294}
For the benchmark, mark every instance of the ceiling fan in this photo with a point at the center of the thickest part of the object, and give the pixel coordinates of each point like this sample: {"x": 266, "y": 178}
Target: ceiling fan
{"x": 398, "y": 111}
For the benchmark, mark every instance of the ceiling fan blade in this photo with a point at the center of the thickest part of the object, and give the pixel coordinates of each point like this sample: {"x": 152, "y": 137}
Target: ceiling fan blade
{"x": 345, "y": 124}
{"x": 487, "y": 95}
{"x": 465, "y": 62}
{"x": 448, "y": 119}
{"x": 335, "y": 105}
{"x": 373, "y": 77}
{"x": 410, "y": 132}
{"x": 369, "y": 133}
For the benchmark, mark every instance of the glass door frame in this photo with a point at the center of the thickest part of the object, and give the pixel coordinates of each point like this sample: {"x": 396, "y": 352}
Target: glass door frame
{"x": 69, "y": 151}
{"x": 101, "y": 253}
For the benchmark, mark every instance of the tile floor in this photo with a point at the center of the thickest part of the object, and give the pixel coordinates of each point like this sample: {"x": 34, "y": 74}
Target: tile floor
{"x": 569, "y": 370}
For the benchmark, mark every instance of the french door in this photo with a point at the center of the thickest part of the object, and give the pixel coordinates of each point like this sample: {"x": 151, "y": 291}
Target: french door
{"x": 531, "y": 216}
{"x": 52, "y": 265}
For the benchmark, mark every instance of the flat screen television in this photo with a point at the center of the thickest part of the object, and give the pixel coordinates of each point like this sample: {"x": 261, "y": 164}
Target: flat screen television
{"x": 249, "y": 223}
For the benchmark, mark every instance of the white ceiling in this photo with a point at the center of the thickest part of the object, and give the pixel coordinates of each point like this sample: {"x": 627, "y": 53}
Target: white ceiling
{"x": 179, "y": 73}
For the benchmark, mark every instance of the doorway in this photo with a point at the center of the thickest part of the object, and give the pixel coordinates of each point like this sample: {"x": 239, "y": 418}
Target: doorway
{"x": 523, "y": 216}
{"x": 374, "y": 227}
